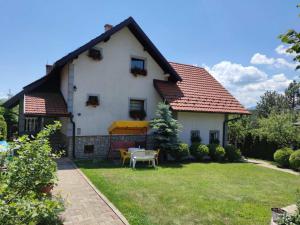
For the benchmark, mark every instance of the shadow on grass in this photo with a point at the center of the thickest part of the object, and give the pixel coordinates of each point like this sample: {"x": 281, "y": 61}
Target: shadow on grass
{"x": 140, "y": 166}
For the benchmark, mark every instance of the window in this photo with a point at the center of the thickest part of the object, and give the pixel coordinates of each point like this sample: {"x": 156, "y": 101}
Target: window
{"x": 31, "y": 124}
{"x": 88, "y": 149}
{"x": 93, "y": 100}
{"x": 138, "y": 66}
{"x": 195, "y": 136}
{"x": 136, "y": 104}
{"x": 137, "y": 109}
{"x": 214, "y": 137}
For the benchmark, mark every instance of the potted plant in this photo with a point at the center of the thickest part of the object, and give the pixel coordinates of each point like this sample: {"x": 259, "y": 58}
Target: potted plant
{"x": 138, "y": 71}
{"x": 138, "y": 114}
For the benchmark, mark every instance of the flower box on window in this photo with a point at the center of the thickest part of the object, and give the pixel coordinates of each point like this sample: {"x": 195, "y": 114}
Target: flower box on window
{"x": 92, "y": 101}
{"x": 95, "y": 54}
{"x": 138, "y": 71}
{"x": 137, "y": 114}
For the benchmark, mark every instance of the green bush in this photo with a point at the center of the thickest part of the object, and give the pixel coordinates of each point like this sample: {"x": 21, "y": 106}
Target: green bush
{"x": 22, "y": 200}
{"x": 3, "y": 128}
{"x": 216, "y": 152}
{"x": 181, "y": 152}
{"x": 282, "y": 156}
{"x": 199, "y": 151}
{"x": 232, "y": 153}
{"x": 295, "y": 160}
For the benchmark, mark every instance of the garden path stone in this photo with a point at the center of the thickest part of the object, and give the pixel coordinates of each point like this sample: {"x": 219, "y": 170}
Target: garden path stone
{"x": 270, "y": 166}
{"x": 84, "y": 203}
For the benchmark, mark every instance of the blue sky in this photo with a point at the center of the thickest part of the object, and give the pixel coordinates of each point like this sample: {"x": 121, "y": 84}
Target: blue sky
{"x": 235, "y": 40}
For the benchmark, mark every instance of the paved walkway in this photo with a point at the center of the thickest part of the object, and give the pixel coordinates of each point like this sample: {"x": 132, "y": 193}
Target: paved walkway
{"x": 84, "y": 203}
{"x": 270, "y": 166}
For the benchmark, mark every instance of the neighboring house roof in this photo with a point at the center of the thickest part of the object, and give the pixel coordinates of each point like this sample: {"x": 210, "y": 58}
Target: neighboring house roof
{"x": 45, "y": 103}
{"x": 198, "y": 91}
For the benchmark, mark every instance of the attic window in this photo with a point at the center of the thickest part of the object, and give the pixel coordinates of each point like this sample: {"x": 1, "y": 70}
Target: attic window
{"x": 93, "y": 100}
{"x": 138, "y": 67}
{"x": 95, "y": 54}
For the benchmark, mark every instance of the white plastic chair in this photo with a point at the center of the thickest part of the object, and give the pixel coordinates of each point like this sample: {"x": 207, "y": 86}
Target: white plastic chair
{"x": 142, "y": 155}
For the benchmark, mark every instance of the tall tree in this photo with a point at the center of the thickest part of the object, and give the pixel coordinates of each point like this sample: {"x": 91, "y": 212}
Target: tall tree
{"x": 271, "y": 101}
{"x": 292, "y": 94}
{"x": 166, "y": 129}
{"x": 292, "y": 38}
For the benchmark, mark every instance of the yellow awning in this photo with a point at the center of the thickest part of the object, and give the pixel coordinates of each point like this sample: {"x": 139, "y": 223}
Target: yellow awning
{"x": 128, "y": 127}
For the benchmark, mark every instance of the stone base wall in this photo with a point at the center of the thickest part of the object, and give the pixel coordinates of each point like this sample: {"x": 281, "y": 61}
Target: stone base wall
{"x": 101, "y": 144}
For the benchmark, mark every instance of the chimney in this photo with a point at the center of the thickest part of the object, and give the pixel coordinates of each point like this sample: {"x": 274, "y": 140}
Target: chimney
{"x": 48, "y": 68}
{"x": 107, "y": 27}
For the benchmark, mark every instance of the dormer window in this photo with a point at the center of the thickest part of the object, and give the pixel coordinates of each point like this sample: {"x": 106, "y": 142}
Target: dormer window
{"x": 93, "y": 100}
{"x": 95, "y": 54}
{"x": 138, "y": 67}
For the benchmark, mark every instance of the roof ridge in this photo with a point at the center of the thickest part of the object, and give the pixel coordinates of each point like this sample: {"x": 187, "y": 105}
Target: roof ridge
{"x": 185, "y": 64}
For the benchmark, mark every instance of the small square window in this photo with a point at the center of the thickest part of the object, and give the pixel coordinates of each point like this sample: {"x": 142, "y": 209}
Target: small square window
{"x": 88, "y": 149}
{"x": 137, "y": 109}
{"x": 214, "y": 137}
{"x": 138, "y": 66}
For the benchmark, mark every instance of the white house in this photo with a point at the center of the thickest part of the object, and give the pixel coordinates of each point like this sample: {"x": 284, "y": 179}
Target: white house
{"x": 121, "y": 75}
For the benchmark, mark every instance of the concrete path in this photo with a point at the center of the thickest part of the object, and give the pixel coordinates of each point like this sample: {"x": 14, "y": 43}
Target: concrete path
{"x": 84, "y": 203}
{"x": 270, "y": 166}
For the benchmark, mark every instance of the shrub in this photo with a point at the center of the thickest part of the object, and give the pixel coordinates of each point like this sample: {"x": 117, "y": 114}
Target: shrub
{"x": 182, "y": 151}
{"x": 281, "y": 156}
{"x": 21, "y": 198}
{"x": 216, "y": 152}
{"x": 295, "y": 160}
{"x": 232, "y": 153}
{"x": 199, "y": 151}
{"x": 3, "y": 128}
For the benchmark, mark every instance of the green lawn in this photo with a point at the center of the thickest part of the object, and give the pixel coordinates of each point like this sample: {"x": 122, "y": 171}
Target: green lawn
{"x": 194, "y": 193}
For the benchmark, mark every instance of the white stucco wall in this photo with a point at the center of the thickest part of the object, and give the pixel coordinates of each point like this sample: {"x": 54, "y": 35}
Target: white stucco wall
{"x": 64, "y": 82}
{"x": 112, "y": 81}
{"x": 204, "y": 122}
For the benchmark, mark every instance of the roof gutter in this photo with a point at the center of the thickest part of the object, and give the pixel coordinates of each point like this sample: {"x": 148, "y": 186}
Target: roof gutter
{"x": 73, "y": 135}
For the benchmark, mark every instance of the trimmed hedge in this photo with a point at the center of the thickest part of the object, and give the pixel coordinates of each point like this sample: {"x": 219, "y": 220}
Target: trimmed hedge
{"x": 232, "y": 153}
{"x": 183, "y": 151}
{"x": 216, "y": 152}
{"x": 282, "y": 156}
{"x": 295, "y": 160}
{"x": 199, "y": 151}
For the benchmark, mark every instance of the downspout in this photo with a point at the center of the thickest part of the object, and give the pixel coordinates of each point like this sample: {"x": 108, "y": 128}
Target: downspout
{"x": 224, "y": 126}
{"x": 73, "y": 135}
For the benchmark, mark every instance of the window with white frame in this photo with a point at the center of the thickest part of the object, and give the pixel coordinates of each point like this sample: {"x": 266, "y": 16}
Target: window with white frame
{"x": 31, "y": 124}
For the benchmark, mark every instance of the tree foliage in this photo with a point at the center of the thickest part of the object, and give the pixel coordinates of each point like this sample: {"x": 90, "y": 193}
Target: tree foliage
{"x": 21, "y": 198}
{"x": 3, "y": 128}
{"x": 166, "y": 129}
{"x": 271, "y": 101}
{"x": 279, "y": 128}
{"x": 292, "y": 94}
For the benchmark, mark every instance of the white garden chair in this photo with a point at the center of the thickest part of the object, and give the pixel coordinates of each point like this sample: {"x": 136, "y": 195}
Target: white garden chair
{"x": 143, "y": 156}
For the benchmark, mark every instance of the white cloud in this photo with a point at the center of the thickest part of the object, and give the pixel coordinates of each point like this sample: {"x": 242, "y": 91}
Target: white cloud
{"x": 260, "y": 59}
{"x": 247, "y": 83}
{"x": 232, "y": 73}
{"x": 281, "y": 50}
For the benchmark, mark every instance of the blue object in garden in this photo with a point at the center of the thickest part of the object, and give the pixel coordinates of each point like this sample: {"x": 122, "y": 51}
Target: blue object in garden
{"x": 3, "y": 146}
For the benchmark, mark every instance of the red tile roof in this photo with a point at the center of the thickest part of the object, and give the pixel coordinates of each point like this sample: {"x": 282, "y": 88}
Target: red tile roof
{"x": 45, "y": 104}
{"x": 198, "y": 91}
